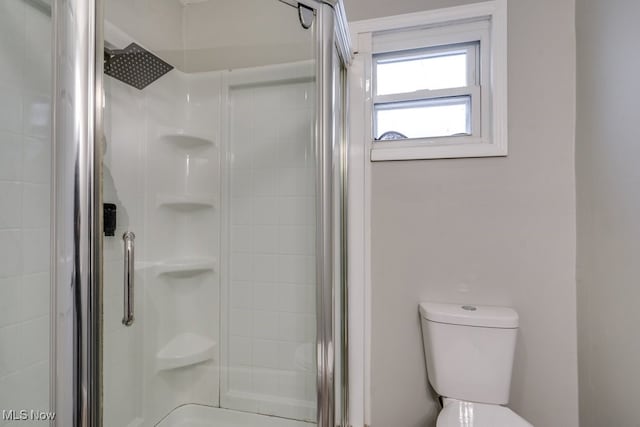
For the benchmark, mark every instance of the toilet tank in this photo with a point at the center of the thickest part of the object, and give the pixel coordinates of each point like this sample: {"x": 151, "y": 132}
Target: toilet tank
{"x": 469, "y": 350}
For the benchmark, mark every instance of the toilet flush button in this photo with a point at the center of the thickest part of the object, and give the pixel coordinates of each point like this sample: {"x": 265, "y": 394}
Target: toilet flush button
{"x": 469, "y": 308}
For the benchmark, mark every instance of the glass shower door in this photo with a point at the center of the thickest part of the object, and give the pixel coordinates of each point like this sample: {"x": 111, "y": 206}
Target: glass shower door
{"x": 25, "y": 192}
{"x": 209, "y": 191}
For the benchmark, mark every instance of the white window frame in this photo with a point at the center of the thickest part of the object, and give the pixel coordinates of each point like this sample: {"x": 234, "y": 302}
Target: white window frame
{"x": 485, "y": 23}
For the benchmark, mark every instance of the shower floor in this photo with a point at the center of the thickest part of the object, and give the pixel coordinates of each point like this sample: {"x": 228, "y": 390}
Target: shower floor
{"x": 207, "y": 416}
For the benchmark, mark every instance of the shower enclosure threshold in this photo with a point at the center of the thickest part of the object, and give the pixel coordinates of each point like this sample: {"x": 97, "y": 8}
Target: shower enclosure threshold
{"x": 209, "y": 416}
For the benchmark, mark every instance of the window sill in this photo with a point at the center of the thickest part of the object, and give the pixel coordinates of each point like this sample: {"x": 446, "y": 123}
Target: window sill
{"x": 428, "y": 149}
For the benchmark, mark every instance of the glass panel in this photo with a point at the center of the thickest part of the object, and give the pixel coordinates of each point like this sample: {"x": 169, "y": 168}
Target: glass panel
{"x": 424, "y": 119}
{"x": 210, "y": 161}
{"x": 25, "y": 167}
{"x": 422, "y": 70}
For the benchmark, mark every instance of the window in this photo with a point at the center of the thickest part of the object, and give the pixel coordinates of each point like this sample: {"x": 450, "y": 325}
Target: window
{"x": 426, "y": 93}
{"x": 438, "y": 82}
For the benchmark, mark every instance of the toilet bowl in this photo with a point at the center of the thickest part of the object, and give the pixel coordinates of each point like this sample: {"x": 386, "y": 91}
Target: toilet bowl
{"x": 458, "y": 413}
{"x": 469, "y": 353}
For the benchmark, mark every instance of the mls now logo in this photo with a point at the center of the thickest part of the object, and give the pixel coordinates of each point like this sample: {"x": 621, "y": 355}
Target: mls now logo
{"x": 27, "y": 415}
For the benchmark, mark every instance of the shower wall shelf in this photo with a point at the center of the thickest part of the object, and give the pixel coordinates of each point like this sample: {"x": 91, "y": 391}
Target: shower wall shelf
{"x": 185, "y": 202}
{"x": 185, "y": 350}
{"x": 185, "y": 267}
{"x": 187, "y": 140}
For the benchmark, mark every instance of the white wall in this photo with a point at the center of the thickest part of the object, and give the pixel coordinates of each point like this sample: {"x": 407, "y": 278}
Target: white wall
{"x": 25, "y": 156}
{"x": 232, "y": 34}
{"x": 367, "y": 9}
{"x": 155, "y": 24}
{"x": 608, "y": 179}
{"x": 488, "y": 231}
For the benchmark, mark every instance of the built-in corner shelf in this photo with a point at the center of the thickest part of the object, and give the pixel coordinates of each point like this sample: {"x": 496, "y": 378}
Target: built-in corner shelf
{"x": 185, "y": 350}
{"x": 185, "y": 267}
{"x": 185, "y": 140}
{"x": 185, "y": 202}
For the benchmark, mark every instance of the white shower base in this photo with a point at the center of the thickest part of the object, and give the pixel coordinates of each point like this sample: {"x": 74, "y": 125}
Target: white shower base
{"x": 208, "y": 416}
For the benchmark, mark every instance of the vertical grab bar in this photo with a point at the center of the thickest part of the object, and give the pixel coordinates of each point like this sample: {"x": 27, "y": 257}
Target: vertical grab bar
{"x": 129, "y": 273}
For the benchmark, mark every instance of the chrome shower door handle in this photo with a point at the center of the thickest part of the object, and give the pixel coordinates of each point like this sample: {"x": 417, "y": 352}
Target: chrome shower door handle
{"x": 129, "y": 274}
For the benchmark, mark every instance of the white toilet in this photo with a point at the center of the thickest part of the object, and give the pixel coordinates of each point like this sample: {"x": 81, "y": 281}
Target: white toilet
{"x": 469, "y": 352}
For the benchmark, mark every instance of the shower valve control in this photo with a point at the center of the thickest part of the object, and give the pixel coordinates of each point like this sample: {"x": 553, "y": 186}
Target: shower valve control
{"x": 109, "y": 219}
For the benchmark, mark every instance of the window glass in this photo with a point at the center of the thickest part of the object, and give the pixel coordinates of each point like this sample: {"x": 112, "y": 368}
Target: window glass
{"x": 422, "y": 70}
{"x": 424, "y": 119}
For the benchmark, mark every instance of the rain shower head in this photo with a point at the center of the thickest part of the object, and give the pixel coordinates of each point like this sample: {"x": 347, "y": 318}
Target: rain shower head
{"x": 134, "y": 66}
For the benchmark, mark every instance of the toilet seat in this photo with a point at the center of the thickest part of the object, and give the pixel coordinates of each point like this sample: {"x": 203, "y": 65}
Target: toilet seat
{"x": 457, "y": 413}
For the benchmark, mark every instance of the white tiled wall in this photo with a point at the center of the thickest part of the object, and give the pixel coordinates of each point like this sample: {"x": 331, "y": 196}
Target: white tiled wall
{"x": 25, "y": 154}
{"x": 271, "y": 320}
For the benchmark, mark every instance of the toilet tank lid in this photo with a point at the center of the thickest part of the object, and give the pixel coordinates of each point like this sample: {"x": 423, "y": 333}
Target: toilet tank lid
{"x": 470, "y": 315}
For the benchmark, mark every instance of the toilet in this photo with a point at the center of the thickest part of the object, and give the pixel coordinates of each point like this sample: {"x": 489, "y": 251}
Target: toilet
{"x": 469, "y": 353}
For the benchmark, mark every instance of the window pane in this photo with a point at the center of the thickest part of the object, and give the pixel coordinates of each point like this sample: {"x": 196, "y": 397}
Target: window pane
{"x": 443, "y": 70}
{"x": 425, "y": 119}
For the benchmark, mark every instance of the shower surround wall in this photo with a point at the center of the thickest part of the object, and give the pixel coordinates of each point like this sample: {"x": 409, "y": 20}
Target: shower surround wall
{"x": 269, "y": 333}
{"x": 25, "y": 157}
{"x": 164, "y": 187}
{"x": 182, "y": 299}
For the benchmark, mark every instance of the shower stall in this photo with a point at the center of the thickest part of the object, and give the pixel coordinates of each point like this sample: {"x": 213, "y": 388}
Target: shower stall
{"x": 197, "y": 255}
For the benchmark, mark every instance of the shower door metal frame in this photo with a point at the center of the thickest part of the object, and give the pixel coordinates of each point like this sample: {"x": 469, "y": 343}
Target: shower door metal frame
{"x": 325, "y": 286}
{"x": 332, "y": 36}
{"x": 76, "y": 233}
{"x": 76, "y": 335}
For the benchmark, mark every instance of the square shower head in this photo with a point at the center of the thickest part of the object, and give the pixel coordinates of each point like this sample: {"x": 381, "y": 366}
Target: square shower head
{"x": 135, "y": 66}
